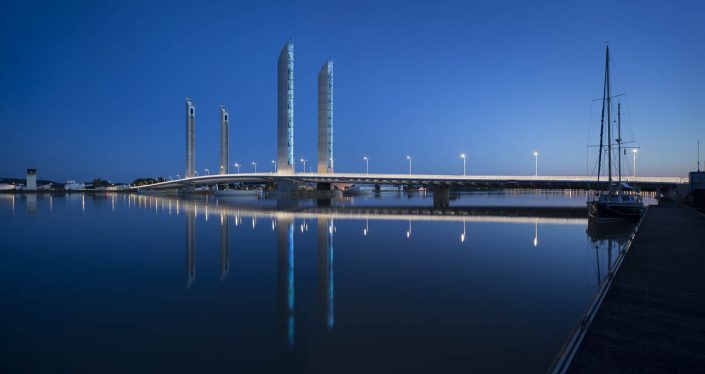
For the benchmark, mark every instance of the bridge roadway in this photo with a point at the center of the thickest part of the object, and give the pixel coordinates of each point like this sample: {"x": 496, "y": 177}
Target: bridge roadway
{"x": 426, "y": 180}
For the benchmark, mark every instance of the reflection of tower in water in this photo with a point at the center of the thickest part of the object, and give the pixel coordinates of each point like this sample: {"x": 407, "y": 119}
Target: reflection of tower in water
{"x": 190, "y": 248}
{"x": 285, "y": 274}
{"x": 325, "y": 269}
{"x": 224, "y": 243}
{"x": 31, "y": 205}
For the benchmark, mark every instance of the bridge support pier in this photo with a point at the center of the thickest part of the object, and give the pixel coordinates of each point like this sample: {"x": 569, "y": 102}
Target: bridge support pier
{"x": 323, "y": 187}
{"x": 285, "y": 186}
{"x": 441, "y": 198}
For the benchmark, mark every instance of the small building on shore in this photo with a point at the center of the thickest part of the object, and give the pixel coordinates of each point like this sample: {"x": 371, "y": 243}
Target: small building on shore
{"x": 31, "y": 184}
{"x": 697, "y": 189}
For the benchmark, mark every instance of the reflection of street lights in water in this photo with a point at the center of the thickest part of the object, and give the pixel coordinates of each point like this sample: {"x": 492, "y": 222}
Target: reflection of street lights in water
{"x": 462, "y": 236}
{"x": 367, "y": 227}
{"x": 408, "y": 232}
{"x": 536, "y": 233}
{"x": 254, "y": 222}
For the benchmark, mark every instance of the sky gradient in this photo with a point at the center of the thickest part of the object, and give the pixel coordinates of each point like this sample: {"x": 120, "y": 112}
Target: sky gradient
{"x": 96, "y": 89}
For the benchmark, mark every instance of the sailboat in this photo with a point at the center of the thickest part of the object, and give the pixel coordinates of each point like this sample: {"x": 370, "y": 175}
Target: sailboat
{"x": 616, "y": 203}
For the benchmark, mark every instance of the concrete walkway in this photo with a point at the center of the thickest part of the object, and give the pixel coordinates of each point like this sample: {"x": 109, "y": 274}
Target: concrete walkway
{"x": 653, "y": 316}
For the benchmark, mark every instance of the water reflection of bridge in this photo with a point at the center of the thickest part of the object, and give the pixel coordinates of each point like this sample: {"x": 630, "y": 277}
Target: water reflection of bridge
{"x": 283, "y": 220}
{"x": 209, "y": 207}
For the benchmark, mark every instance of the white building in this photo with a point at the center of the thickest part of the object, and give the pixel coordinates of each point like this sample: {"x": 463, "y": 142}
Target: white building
{"x": 71, "y": 185}
{"x": 31, "y": 180}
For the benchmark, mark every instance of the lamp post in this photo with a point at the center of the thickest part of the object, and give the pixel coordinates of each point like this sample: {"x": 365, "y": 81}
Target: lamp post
{"x": 178, "y": 176}
{"x": 634, "y": 152}
{"x": 207, "y": 172}
{"x": 196, "y": 171}
{"x": 237, "y": 166}
{"x": 255, "y": 165}
{"x": 408, "y": 157}
{"x": 462, "y": 155}
{"x": 303, "y": 161}
{"x": 275, "y": 165}
{"x": 536, "y": 167}
{"x": 367, "y": 165}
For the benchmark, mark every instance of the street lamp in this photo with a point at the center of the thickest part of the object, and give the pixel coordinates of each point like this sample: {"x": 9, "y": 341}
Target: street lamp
{"x": 367, "y": 165}
{"x": 207, "y": 172}
{"x": 275, "y": 165}
{"x": 634, "y": 152}
{"x": 462, "y": 155}
{"x": 304, "y": 162}
{"x": 196, "y": 171}
{"x": 536, "y": 167}
{"x": 408, "y": 157}
{"x": 255, "y": 165}
{"x": 237, "y": 166}
{"x": 178, "y": 176}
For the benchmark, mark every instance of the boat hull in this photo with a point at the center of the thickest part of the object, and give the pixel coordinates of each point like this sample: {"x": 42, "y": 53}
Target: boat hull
{"x": 600, "y": 210}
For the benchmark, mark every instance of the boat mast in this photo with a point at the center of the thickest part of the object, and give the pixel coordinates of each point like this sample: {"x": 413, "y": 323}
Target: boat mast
{"x": 619, "y": 141}
{"x": 609, "y": 120}
{"x": 602, "y": 124}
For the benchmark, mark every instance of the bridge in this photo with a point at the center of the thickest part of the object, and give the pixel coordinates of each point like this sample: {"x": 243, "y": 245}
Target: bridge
{"x": 431, "y": 181}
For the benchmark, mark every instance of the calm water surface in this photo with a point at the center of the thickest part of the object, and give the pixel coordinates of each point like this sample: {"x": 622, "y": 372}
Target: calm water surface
{"x": 135, "y": 283}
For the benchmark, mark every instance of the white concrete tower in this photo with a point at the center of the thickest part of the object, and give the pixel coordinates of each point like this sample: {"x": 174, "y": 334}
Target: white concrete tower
{"x": 224, "y": 123}
{"x": 31, "y": 183}
{"x": 190, "y": 138}
{"x": 285, "y": 109}
{"x": 325, "y": 118}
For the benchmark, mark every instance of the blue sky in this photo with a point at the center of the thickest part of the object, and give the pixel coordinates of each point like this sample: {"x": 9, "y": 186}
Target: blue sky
{"x": 96, "y": 89}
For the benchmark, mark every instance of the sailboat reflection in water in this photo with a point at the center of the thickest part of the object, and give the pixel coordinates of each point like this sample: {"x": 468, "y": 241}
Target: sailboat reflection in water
{"x": 612, "y": 237}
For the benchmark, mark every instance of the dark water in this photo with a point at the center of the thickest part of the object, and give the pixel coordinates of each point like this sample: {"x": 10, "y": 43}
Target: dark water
{"x": 128, "y": 283}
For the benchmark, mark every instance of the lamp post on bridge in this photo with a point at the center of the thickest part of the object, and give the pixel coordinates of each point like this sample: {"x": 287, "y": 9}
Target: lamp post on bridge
{"x": 237, "y": 166}
{"x": 275, "y": 165}
{"x": 367, "y": 165}
{"x": 207, "y": 172}
{"x": 178, "y": 176}
{"x": 462, "y": 155}
{"x": 536, "y": 167}
{"x": 255, "y": 165}
{"x": 303, "y": 161}
{"x": 408, "y": 157}
{"x": 634, "y": 152}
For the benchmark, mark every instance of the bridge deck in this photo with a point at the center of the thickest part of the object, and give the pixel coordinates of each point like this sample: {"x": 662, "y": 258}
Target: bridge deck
{"x": 653, "y": 316}
{"x": 500, "y": 181}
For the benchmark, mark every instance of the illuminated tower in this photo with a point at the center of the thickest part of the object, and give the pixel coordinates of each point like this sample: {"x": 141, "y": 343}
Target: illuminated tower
{"x": 224, "y": 122}
{"x": 190, "y": 138}
{"x": 285, "y": 109}
{"x": 325, "y": 118}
